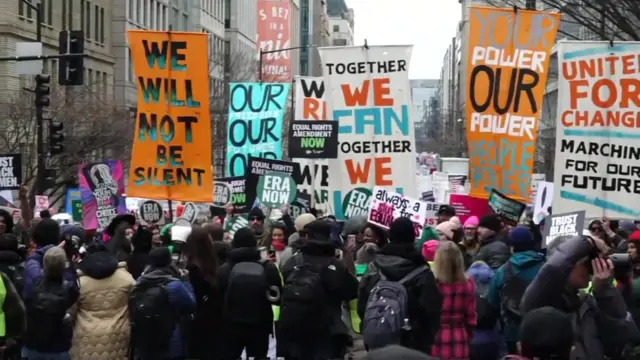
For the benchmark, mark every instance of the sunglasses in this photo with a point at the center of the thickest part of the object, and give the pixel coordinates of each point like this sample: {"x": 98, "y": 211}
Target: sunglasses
{"x": 595, "y": 229}
{"x": 255, "y": 218}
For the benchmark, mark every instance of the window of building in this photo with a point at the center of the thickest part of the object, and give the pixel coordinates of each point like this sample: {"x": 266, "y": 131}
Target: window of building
{"x": 96, "y": 27}
{"x": 185, "y": 22}
{"x": 336, "y": 28}
{"x": 130, "y": 9}
{"x": 175, "y": 22}
{"x": 139, "y": 10}
{"x": 87, "y": 17}
{"x": 147, "y": 8}
{"x": 102, "y": 38}
{"x": 64, "y": 14}
{"x": 105, "y": 86}
{"x": 70, "y": 14}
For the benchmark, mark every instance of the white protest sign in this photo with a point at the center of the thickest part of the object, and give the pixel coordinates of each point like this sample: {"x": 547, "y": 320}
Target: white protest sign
{"x": 386, "y": 206}
{"x": 544, "y": 199}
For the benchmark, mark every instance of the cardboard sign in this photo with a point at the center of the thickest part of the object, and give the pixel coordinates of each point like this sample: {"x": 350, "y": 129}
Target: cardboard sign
{"x": 431, "y": 217}
{"x": 386, "y": 206}
{"x": 239, "y": 197}
{"x": 276, "y": 189}
{"x": 567, "y": 224}
{"x": 222, "y": 194}
{"x": 509, "y": 210}
{"x": 313, "y": 139}
{"x": 190, "y": 212}
{"x": 151, "y": 212}
{"x": 10, "y": 171}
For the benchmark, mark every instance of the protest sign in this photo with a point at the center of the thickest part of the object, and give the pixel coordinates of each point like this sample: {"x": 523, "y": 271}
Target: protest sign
{"x": 239, "y": 197}
{"x": 457, "y": 183}
{"x": 467, "y": 206}
{"x": 10, "y": 171}
{"x": 274, "y": 38}
{"x": 190, "y": 212}
{"x": 235, "y": 223}
{"x": 567, "y": 224}
{"x": 276, "y": 189}
{"x": 77, "y": 210}
{"x": 256, "y": 118}
{"x": 150, "y": 212}
{"x": 509, "y": 210}
{"x": 509, "y": 53}
{"x": 310, "y": 103}
{"x": 544, "y": 200}
{"x": 303, "y": 179}
{"x": 222, "y": 194}
{"x": 300, "y": 205}
{"x": 42, "y": 203}
{"x": 259, "y": 167}
{"x": 536, "y": 179}
{"x": 171, "y": 156}
{"x": 101, "y": 190}
{"x": 427, "y": 196}
{"x": 369, "y": 94}
{"x": 72, "y": 194}
{"x": 431, "y": 215}
{"x": 313, "y": 139}
{"x": 386, "y": 206}
{"x": 597, "y": 153}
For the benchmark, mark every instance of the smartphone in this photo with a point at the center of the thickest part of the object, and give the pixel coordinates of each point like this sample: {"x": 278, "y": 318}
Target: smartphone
{"x": 351, "y": 241}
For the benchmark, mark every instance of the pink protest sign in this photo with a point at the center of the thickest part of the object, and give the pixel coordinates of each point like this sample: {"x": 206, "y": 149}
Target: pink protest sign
{"x": 467, "y": 206}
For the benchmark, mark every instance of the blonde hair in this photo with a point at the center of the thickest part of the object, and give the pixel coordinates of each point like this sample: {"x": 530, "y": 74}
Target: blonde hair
{"x": 54, "y": 263}
{"x": 449, "y": 266}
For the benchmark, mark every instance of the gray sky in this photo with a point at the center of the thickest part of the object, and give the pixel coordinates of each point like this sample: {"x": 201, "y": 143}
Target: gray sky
{"x": 428, "y": 25}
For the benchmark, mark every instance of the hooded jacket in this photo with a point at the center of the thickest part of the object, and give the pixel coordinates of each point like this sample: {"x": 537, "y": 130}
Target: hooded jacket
{"x": 395, "y": 261}
{"x": 33, "y": 271}
{"x": 139, "y": 258}
{"x": 493, "y": 251}
{"x": 482, "y": 276}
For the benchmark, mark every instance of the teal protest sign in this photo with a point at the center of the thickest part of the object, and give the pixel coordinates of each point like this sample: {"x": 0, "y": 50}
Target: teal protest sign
{"x": 276, "y": 189}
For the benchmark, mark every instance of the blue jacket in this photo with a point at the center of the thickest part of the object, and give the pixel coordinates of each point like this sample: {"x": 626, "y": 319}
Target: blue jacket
{"x": 526, "y": 265}
{"x": 33, "y": 271}
{"x": 482, "y": 276}
{"x": 182, "y": 298}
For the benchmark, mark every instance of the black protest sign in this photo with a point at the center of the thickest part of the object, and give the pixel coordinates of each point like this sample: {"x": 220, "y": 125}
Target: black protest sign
{"x": 567, "y": 224}
{"x": 239, "y": 197}
{"x": 312, "y": 139}
{"x": 300, "y": 205}
{"x": 190, "y": 212}
{"x": 427, "y": 196}
{"x": 303, "y": 178}
{"x": 10, "y": 171}
{"x": 221, "y": 194}
{"x": 509, "y": 210}
{"x": 150, "y": 212}
{"x": 260, "y": 166}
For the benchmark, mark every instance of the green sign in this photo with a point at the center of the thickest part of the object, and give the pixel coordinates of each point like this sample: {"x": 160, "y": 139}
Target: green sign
{"x": 276, "y": 189}
{"x": 235, "y": 223}
{"x": 356, "y": 202}
{"x": 77, "y": 210}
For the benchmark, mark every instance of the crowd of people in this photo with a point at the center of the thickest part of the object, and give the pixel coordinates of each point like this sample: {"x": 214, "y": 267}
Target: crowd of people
{"x": 478, "y": 290}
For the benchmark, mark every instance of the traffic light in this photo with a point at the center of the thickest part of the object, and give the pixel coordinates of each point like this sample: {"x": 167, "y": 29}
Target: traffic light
{"x": 71, "y": 69}
{"x": 42, "y": 90}
{"x": 49, "y": 179}
{"x": 56, "y": 138}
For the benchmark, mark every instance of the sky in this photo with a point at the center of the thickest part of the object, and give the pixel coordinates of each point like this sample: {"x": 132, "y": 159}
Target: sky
{"x": 428, "y": 25}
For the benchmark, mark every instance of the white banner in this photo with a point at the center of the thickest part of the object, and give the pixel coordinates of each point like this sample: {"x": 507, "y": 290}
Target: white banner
{"x": 597, "y": 152}
{"x": 369, "y": 94}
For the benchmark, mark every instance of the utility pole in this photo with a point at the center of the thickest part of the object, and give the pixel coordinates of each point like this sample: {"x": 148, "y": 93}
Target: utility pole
{"x": 263, "y": 53}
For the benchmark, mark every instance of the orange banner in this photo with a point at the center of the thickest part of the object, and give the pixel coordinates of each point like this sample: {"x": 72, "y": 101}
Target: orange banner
{"x": 172, "y": 146}
{"x": 274, "y": 34}
{"x": 509, "y": 53}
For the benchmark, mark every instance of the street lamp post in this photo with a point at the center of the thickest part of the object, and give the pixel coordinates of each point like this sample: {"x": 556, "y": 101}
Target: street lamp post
{"x": 263, "y": 53}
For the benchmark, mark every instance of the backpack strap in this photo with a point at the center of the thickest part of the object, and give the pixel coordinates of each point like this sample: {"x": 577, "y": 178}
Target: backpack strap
{"x": 410, "y": 276}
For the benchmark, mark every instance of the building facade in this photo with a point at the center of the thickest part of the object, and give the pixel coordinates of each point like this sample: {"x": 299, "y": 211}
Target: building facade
{"x": 342, "y": 23}
{"x": 241, "y": 25}
{"x": 423, "y": 94}
{"x": 315, "y": 32}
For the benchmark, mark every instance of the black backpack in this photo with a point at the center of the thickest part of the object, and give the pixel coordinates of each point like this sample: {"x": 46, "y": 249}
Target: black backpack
{"x": 153, "y": 318}
{"x": 304, "y": 300}
{"x": 512, "y": 292}
{"x": 15, "y": 273}
{"x": 246, "y": 295}
{"x": 487, "y": 315}
{"x": 46, "y": 308}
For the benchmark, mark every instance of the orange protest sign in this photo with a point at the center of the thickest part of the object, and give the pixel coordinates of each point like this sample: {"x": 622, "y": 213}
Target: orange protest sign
{"x": 172, "y": 146}
{"x": 508, "y": 61}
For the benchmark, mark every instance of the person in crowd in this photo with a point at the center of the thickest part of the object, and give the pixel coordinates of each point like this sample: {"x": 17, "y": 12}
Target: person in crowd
{"x": 203, "y": 262}
{"x": 6, "y": 222}
{"x": 445, "y": 212}
{"x": 429, "y": 251}
{"x": 602, "y": 229}
{"x": 278, "y": 238}
{"x": 156, "y": 240}
{"x": 547, "y": 333}
{"x": 512, "y": 279}
{"x": 141, "y": 242}
{"x": 364, "y": 257}
{"x": 471, "y": 243}
{"x": 354, "y": 226}
{"x": 293, "y": 246}
{"x": 117, "y": 230}
{"x": 260, "y": 226}
{"x": 301, "y": 221}
{"x": 12, "y": 311}
{"x": 160, "y": 304}
{"x": 221, "y": 248}
{"x": 396, "y": 352}
{"x": 316, "y": 286}
{"x": 492, "y": 250}
{"x": 486, "y": 341}
{"x": 374, "y": 234}
{"x": 459, "y": 316}
{"x": 395, "y": 261}
{"x": 49, "y": 328}
{"x": 12, "y": 256}
{"x": 102, "y": 327}
{"x": 428, "y": 233}
{"x": 447, "y": 230}
{"x": 45, "y": 235}
{"x": 248, "y": 286}
{"x": 601, "y": 315}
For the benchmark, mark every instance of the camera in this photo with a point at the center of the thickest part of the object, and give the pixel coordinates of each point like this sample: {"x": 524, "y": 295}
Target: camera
{"x": 621, "y": 265}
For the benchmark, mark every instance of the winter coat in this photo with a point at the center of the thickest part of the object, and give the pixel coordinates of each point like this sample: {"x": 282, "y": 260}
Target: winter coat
{"x": 493, "y": 252}
{"x": 205, "y": 328}
{"x": 482, "y": 276}
{"x": 14, "y": 311}
{"x": 273, "y": 278}
{"x": 458, "y": 321}
{"x": 395, "y": 261}
{"x": 182, "y": 300}
{"x": 33, "y": 270}
{"x": 102, "y": 327}
{"x": 137, "y": 262}
{"x": 526, "y": 266}
{"x": 601, "y": 317}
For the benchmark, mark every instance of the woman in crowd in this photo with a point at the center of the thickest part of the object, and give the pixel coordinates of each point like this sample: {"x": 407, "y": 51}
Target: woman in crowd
{"x": 486, "y": 341}
{"x": 119, "y": 243}
{"x": 459, "y": 318}
{"x": 156, "y": 240}
{"x": 278, "y": 237}
{"x": 216, "y": 234}
{"x": 142, "y": 242}
{"x": 449, "y": 230}
{"x": 374, "y": 234}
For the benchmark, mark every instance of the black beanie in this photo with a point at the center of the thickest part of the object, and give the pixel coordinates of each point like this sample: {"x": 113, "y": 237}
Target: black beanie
{"x": 491, "y": 222}
{"x": 46, "y": 232}
{"x": 244, "y": 238}
{"x": 160, "y": 257}
{"x": 546, "y": 331}
{"x": 401, "y": 231}
{"x": 256, "y": 212}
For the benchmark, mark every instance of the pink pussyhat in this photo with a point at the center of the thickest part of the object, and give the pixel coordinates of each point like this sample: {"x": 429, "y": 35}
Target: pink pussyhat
{"x": 472, "y": 221}
{"x": 429, "y": 249}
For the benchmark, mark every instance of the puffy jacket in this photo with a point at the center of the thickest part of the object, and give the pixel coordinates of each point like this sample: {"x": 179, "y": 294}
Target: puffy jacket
{"x": 493, "y": 252}
{"x": 33, "y": 271}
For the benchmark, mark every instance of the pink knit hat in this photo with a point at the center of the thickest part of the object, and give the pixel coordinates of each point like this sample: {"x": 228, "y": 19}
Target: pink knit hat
{"x": 447, "y": 228}
{"x": 429, "y": 249}
{"x": 472, "y": 221}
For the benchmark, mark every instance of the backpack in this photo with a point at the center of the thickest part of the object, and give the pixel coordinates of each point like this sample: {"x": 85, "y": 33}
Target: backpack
{"x": 512, "y": 292}
{"x": 246, "y": 293}
{"x": 486, "y": 314}
{"x": 386, "y": 315}
{"x": 46, "y": 309}
{"x": 153, "y": 317}
{"x": 303, "y": 300}
{"x": 15, "y": 273}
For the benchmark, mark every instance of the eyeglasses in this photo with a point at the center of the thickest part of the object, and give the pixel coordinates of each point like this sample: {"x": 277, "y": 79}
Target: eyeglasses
{"x": 595, "y": 229}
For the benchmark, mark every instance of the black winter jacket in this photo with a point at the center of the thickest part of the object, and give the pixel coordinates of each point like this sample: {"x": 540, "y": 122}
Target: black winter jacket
{"x": 494, "y": 252}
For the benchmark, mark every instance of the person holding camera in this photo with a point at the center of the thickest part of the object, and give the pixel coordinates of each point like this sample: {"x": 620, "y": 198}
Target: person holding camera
{"x": 603, "y": 328}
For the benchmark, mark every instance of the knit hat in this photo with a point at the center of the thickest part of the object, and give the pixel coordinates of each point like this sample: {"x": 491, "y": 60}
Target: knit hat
{"x": 244, "y": 238}
{"x": 448, "y": 228}
{"x": 367, "y": 253}
{"x": 472, "y": 221}
{"x": 401, "y": 231}
{"x": 160, "y": 257}
{"x": 46, "y": 232}
{"x": 521, "y": 239}
{"x": 628, "y": 226}
{"x": 546, "y": 331}
{"x": 303, "y": 220}
{"x": 456, "y": 221}
{"x": 256, "y": 212}
{"x": 491, "y": 222}
{"x": 635, "y": 236}
{"x": 429, "y": 249}
{"x": 395, "y": 352}
{"x": 319, "y": 230}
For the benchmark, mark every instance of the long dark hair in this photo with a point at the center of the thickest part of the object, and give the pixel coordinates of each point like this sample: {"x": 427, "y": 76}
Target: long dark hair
{"x": 201, "y": 254}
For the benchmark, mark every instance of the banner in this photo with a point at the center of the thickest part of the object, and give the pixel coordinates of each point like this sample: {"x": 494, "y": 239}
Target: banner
{"x": 303, "y": 178}
{"x": 509, "y": 210}
{"x": 313, "y": 139}
{"x": 10, "y": 171}
{"x": 171, "y": 157}
{"x": 597, "y": 153}
{"x": 509, "y": 52}
{"x": 274, "y": 33}
{"x": 567, "y": 224}
{"x": 386, "y": 206}
{"x": 467, "y": 206}
{"x": 72, "y": 195}
{"x": 256, "y": 118}
{"x": 101, "y": 189}
{"x": 370, "y": 95}
{"x": 310, "y": 103}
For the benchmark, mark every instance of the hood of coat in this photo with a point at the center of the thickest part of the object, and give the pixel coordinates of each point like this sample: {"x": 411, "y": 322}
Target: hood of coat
{"x": 395, "y": 261}
{"x": 318, "y": 247}
{"x": 99, "y": 265}
{"x": 481, "y": 273}
{"x": 243, "y": 254}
